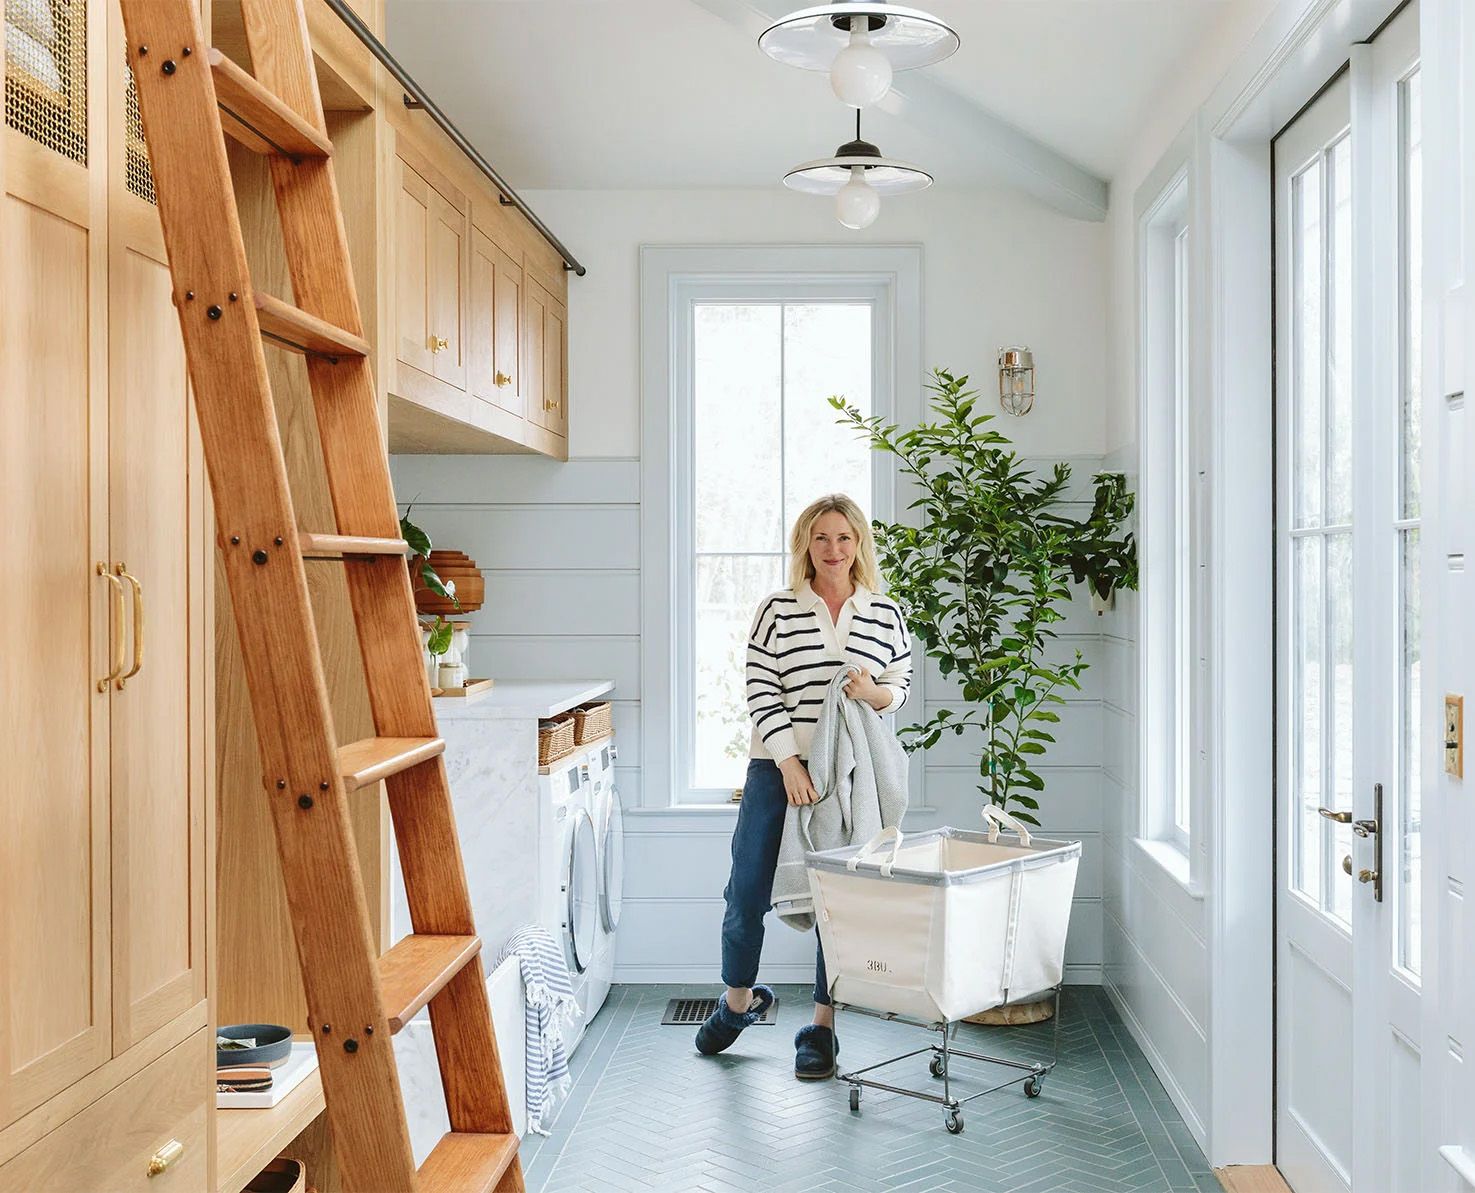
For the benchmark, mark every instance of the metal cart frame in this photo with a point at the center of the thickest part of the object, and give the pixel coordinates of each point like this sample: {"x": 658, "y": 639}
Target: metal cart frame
{"x": 1033, "y": 1073}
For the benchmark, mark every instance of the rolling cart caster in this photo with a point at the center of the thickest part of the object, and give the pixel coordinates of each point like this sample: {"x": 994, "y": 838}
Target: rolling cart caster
{"x": 854, "y": 1099}
{"x": 937, "y": 1066}
{"x": 1033, "y": 1086}
{"x": 955, "y": 1122}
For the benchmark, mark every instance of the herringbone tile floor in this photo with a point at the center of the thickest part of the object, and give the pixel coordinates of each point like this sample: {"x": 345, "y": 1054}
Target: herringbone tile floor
{"x": 648, "y": 1114}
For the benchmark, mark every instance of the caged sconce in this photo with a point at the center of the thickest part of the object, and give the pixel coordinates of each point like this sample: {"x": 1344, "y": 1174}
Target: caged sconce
{"x": 1016, "y": 380}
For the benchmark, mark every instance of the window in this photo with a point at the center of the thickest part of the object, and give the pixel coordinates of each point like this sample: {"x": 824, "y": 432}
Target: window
{"x": 1166, "y": 505}
{"x": 742, "y": 350}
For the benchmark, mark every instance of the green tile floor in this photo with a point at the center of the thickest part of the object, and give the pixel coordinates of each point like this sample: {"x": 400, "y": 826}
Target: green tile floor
{"x": 647, "y": 1113}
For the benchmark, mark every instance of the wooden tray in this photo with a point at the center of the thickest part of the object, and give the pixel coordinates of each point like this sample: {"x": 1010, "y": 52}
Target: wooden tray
{"x": 472, "y": 688}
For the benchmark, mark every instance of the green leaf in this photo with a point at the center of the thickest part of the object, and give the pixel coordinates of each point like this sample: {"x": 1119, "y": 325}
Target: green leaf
{"x": 418, "y": 540}
{"x": 440, "y": 637}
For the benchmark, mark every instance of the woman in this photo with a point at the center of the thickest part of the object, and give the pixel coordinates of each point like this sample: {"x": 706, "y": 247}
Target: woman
{"x": 830, "y": 617}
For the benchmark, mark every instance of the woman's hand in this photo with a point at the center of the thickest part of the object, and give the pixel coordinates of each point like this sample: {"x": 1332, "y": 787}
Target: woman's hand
{"x": 863, "y": 687}
{"x": 797, "y": 785}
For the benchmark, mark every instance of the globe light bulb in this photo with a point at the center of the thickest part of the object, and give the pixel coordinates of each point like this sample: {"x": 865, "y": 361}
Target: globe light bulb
{"x": 858, "y": 203}
{"x": 861, "y": 74}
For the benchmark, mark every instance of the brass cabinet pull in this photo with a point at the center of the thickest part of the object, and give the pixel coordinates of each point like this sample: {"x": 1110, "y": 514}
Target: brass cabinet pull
{"x": 437, "y": 344}
{"x": 165, "y": 1158}
{"x": 122, "y": 570}
{"x": 502, "y": 379}
{"x": 118, "y": 631}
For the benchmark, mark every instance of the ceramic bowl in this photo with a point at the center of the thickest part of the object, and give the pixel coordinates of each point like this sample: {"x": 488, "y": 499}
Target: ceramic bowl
{"x": 273, "y": 1044}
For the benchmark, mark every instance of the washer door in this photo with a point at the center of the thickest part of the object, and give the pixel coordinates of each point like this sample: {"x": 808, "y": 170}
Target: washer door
{"x": 581, "y": 892}
{"x": 612, "y": 861}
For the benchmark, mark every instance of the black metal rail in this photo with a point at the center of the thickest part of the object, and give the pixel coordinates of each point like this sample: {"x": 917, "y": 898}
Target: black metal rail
{"x": 415, "y": 97}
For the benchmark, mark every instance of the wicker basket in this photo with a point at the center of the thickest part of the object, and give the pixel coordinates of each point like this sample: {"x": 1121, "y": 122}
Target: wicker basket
{"x": 555, "y": 739}
{"x": 593, "y": 721}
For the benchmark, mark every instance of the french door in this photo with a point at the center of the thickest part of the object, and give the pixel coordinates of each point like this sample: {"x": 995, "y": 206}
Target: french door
{"x": 1347, "y": 182}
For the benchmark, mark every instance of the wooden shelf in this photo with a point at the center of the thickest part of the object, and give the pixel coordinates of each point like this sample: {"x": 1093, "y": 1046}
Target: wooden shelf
{"x": 245, "y": 1140}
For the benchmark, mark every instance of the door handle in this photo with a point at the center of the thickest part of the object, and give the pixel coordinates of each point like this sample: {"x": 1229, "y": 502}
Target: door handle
{"x": 118, "y": 630}
{"x": 122, "y": 570}
{"x": 1339, "y": 817}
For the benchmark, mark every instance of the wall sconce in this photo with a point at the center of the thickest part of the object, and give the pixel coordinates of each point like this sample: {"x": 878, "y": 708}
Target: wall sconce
{"x": 1016, "y": 380}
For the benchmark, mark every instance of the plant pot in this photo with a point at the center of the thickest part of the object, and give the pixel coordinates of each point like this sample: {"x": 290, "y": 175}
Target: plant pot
{"x": 1014, "y": 1014}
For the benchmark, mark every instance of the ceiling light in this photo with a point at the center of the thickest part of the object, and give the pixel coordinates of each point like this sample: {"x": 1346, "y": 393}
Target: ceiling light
{"x": 860, "y": 42}
{"x": 857, "y": 176}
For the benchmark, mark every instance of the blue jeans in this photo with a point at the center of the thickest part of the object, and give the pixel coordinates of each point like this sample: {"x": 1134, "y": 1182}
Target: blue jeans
{"x": 755, "y": 843}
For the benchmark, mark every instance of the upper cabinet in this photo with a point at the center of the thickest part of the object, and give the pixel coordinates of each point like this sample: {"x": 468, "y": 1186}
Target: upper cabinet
{"x": 479, "y": 306}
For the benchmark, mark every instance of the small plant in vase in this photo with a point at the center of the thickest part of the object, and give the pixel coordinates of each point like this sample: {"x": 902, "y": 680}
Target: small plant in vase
{"x": 436, "y": 630}
{"x": 984, "y": 576}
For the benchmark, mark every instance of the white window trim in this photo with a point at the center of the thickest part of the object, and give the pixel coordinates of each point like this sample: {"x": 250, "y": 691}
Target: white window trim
{"x": 1170, "y": 744}
{"x": 670, "y": 276}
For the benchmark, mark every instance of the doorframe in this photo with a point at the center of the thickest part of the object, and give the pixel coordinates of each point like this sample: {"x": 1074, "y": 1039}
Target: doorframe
{"x": 1301, "y": 45}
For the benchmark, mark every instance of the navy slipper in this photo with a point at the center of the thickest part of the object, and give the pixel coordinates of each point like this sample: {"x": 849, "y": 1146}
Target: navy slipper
{"x": 724, "y": 1025}
{"x": 815, "y": 1049}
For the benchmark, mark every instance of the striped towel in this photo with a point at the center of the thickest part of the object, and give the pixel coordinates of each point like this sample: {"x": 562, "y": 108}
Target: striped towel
{"x": 550, "y": 1004}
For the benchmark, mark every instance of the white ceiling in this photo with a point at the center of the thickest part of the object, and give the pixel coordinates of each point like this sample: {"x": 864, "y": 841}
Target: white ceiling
{"x": 675, "y": 93}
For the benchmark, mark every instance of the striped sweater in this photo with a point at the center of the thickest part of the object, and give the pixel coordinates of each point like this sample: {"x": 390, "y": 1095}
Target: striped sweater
{"x": 794, "y": 649}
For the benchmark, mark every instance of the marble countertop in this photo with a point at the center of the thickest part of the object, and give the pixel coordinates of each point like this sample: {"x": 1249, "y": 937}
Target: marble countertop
{"x": 522, "y": 699}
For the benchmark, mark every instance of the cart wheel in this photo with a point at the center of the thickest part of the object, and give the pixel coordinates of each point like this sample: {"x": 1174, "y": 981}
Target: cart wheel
{"x": 955, "y": 1122}
{"x": 1033, "y": 1086}
{"x": 937, "y": 1066}
{"x": 854, "y": 1098}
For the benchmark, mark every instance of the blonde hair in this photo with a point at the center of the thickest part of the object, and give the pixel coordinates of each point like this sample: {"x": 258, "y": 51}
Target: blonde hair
{"x": 863, "y": 570}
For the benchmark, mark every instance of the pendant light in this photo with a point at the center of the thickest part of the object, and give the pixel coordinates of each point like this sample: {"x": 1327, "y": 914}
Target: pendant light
{"x": 860, "y": 42}
{"x": 857, "y": 176}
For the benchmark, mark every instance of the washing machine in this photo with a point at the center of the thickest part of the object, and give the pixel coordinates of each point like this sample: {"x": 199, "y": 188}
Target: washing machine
{"x": 608, "y": 818}
{"x": 569, "y": 870}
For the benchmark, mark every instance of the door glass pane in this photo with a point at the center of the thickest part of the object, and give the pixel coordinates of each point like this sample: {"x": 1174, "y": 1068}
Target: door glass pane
{"x": 728, "y": 589}
{"x": 1306, "y": 713}
{"x": 737, "y": 455}
{"x": 1339, "y": 708}
{"x": 1306, "y": 344}
{"x": 1409, "y": 953}
{"x": 827, "y": 351}
{"x": 1339, "y": 337}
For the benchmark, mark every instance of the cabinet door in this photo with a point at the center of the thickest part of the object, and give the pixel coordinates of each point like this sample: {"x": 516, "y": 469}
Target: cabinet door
{"x": 55, "y": 993}
{"x": 414, "y": 214}
{"x": 534, "y": 313}
{"x": 555, "y": 381}
{"x": 494, "y": 325}
{"x": 447, "y": 255}
{"x": 157, "y": 513}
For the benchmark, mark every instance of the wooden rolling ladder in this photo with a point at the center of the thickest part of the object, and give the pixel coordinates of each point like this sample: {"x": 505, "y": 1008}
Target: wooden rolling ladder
{"x": 191, "y": 97}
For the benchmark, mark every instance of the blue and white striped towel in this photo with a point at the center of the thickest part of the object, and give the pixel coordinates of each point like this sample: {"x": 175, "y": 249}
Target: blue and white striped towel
{"x": 550, "y": 1004}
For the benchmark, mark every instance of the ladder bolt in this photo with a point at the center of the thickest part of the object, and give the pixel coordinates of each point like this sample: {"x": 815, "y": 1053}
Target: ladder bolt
{"x": 304, "y": 802}
{"x": 235, "y": 540}
{"x": 214, "y": 312}
{"x": 323, "y": 786}
{"x": 368, "y": 1029}
{"x": 350, "y": 1045}
{"x": 189, "y": 296}
{"x": 258, "y": 556}
{"x": 281, "y": 784}
{"x": 186, "y": 52}
{"x": 143, "y": 50}
{"x": 278, "y": 540}
{"x": 234, "y": 297}
{"x": 169, "y": 68}
{"x": 327, "y": 1028}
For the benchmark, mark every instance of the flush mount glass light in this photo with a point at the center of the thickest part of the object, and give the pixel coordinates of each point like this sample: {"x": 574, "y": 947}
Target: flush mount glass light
{"x": 860, "y": 42}
{"x": 858, "y": 176}
{"x": 1016, "y": 380}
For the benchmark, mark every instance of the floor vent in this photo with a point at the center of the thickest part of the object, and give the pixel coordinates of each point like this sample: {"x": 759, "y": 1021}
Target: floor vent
{"x": 688, "y": 1012}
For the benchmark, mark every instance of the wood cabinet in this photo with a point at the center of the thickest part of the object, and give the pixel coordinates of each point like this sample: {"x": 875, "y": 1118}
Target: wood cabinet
{"x": 480, "y": 317}
{"x": 104, "y": 683}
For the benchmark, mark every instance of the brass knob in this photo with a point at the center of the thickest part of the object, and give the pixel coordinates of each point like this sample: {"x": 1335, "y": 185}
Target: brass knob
{"x": 438, "y": 344}
{"x": 502, "y": 379}
{"x": 167, "y": 1156}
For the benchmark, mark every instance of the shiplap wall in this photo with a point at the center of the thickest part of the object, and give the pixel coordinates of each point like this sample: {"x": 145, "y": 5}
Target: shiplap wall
{"x": 559, "y": 546}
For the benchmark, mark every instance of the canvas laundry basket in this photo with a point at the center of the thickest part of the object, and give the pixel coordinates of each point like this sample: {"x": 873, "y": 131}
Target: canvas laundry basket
{"x": 944, "y": 923}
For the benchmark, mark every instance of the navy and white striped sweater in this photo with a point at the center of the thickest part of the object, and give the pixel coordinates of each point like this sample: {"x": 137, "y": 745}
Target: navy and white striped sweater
{"x": 794, "y": 650}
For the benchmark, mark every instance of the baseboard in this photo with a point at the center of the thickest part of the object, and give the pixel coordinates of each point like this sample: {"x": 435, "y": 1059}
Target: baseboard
{"x": 793, "y": 972}
{"x": 1159, "y": 1065}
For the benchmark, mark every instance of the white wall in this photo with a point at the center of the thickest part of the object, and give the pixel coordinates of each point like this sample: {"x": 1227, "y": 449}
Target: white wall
{"x": 560, "y": 543}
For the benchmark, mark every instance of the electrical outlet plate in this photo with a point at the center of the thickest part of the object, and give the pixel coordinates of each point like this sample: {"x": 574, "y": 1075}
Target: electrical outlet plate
{"x": 1454, "y": 736}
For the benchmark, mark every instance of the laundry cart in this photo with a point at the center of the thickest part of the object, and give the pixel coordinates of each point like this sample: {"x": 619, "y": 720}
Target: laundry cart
{"x": 931, "y": 928}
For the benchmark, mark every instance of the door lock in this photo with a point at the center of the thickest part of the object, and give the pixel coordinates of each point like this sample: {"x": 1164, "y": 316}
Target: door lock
{"x": 1362, "y": 875}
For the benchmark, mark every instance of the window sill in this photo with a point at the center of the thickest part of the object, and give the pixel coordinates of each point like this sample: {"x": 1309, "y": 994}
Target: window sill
{"x": 1169, "y": 858}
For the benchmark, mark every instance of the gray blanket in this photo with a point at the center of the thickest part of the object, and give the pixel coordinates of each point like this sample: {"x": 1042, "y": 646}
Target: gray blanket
{"x": 860, "y": 771}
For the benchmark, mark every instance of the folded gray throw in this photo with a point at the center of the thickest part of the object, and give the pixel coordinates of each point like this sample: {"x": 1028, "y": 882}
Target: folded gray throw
{"x": 860, "y": 771}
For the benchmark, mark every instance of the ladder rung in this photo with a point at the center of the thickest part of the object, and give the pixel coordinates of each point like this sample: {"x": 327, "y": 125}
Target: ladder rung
{"x": 258, "y": 119}
{"x": 375, "y": 758}
{"x": 332, "y": 546}
{"x": 417, "y": 969}
{"x": 465, "y": 1163}
{"x": 298, "y": 331}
